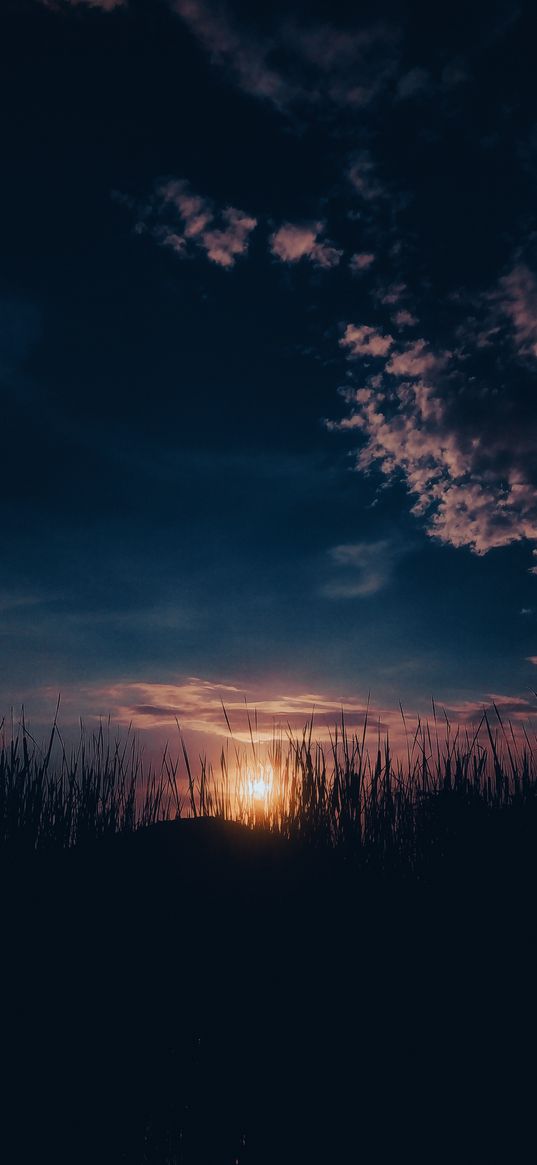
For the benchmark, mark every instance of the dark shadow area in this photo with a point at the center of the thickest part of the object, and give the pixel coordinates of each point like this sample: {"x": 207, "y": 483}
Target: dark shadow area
{"x": 200, "y": 992}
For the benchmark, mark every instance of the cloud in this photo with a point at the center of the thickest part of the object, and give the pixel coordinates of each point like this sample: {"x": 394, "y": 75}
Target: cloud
{"x": 508, "y": 312}
{"x": 365, "y": 341}
{"x": 152, "y": 710}
{"x": 516, "y": 299}
{"x": 363, "y": 177}
{"x": 404, "y": 319}
{"x": 293, "y": 63}
{"x": 243, "y": 55}
{"x": 473, "y": 479}
{"x": 364, "y": 568}
{"x": 293, "y": 242}
{"x": 515, "y": 710}
{"x": 418, "y": 82}
{"x": 178, "y": 218}
{"x": 361, "y": 261}
{"x": 392, "y": 294}
{"x": 20, "y": 329}
{"x": 413, "y": 84}
{"x": 197, "y": 705}
{"x": 104, "y": 5}
{"x": 413, "y": 360}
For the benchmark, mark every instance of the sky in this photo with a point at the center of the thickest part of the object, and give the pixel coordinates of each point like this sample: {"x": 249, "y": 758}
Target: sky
{"x": 268, "y": 359}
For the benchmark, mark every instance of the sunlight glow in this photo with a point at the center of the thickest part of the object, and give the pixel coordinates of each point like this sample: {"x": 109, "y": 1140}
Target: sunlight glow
{"x": 259, "y": 781}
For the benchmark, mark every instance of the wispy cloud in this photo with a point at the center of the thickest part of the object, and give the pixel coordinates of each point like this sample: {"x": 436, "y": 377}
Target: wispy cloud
{"x": 153, "y": 709}
{"x": 295, "y": 63}
{"x": 292, "y": 242}
{"x": 363, "y": 177}
{"x": 516, "y": 298}
{"x": 419, "y": 83}
{"x": 186, "y": 222}
{"x": 197, "y": 705}
{"x": 414, "y": 83}
{"x": 104, "y": 5}
{"x": 361, "y": 568}
{"x": 517, "y": 711}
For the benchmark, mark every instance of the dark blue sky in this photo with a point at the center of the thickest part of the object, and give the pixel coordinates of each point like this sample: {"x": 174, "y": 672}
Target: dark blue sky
{"x": 268, "y": 355}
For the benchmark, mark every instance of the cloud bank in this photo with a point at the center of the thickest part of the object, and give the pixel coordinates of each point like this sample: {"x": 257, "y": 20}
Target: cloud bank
{"x": 464, "y": 452}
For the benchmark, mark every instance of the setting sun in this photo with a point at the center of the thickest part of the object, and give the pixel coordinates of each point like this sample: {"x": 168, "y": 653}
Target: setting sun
{"x": 259, "y": 781}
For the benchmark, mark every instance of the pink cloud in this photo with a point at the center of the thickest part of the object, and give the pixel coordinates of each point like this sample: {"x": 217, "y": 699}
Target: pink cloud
{"x": 233, "y": 47}
{"x": 470, "y": 489}
{"x": 293, "y": 242}
{"x": 413, "y": 360}
{"x": 363, "y": 177}
{"x": 365, "y": 341}
{"x": 404, "y": 319}
{"x": 104, "y": 5}
{"x": 295, "y": 62}
{"x": 153, "y": 709}
{"x": 392, "y": 294}
{"x": 179, "y": 218}
{"x": 223, "y": 246}
{"x": 516, "y": 298}
{"x": 361, "y": 261}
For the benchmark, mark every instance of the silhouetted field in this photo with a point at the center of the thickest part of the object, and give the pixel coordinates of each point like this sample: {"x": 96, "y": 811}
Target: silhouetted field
{"x": 345, "y": 972}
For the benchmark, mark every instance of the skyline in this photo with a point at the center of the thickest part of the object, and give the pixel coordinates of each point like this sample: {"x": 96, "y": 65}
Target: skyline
{"x": 268, "y": 318}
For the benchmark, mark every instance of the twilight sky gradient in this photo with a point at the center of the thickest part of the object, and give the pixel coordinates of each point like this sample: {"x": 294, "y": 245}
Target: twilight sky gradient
{"x": 268, "y": 358}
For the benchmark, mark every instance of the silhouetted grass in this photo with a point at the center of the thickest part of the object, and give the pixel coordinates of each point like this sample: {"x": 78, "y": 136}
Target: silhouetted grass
{"x": 199, "y": 992}
{"x": 349, "y": 796}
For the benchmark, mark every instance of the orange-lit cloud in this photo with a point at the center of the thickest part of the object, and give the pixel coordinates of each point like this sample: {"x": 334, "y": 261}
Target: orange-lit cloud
{"x": 154, "y": 709}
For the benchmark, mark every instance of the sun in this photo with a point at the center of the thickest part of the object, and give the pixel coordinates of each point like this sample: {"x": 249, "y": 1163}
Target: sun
{"x": 259, "y": 781}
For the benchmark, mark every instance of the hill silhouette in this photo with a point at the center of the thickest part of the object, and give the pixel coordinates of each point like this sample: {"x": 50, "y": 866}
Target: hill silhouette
{"x": 203, "y": 992}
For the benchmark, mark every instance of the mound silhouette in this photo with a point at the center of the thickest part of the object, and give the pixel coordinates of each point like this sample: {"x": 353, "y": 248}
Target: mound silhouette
{"x": 203, "y": 992}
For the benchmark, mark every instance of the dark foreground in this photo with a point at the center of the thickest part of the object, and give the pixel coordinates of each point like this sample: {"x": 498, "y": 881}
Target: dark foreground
{"x": 197, "y": 992}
